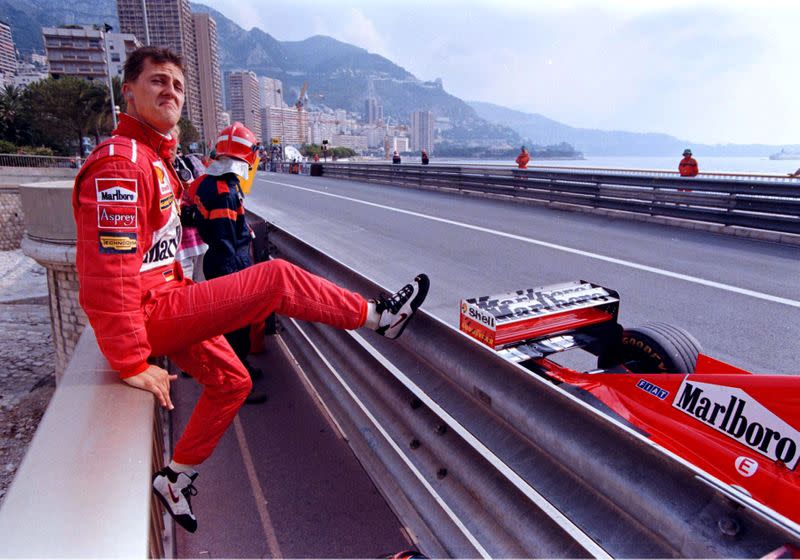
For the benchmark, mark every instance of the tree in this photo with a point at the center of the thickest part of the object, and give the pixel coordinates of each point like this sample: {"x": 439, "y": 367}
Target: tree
{"x": 60, "y": 113}
{"x": 14, "y": 125}
{"x": 342, "y": 152}
{"x": 98, "y": 110}
{"x": 189, "y": 133}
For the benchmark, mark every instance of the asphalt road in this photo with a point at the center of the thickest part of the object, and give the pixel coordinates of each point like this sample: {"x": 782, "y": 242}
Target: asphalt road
{"x": 283, "y": 483}
{"x": 739, "y": 297}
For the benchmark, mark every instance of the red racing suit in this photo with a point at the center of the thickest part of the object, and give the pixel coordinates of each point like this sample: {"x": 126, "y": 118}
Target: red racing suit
{"x": 125, "y": 202}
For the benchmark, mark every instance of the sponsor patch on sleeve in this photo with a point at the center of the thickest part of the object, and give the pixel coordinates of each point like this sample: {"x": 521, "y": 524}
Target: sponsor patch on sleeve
{"x": 162, "y": 177}
{"x": 117, "y": 190}
{"x": 165, "y": 202}
{"x": 113, "y": 243}
{"x": 116, "y": 217}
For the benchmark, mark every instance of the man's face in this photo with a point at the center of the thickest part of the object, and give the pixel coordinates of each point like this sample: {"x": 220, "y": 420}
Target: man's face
{"x": 156, "y": 97}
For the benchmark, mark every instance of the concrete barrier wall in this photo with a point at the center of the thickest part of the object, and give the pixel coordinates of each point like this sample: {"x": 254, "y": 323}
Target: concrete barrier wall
{"x": 50, "y": 241}
{"x": 83, "y": 489}
{"x": 12, "y": 218}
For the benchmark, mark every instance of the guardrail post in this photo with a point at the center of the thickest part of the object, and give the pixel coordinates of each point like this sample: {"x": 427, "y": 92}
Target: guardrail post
{"x": 50, "y": 240}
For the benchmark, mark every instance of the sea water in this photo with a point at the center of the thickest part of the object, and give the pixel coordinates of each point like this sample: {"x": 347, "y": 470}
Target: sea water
{"x": 722, "y": 164}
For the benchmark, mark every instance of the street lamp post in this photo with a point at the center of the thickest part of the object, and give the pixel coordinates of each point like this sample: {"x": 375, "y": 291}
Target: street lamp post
{"x": 104, "y": 33}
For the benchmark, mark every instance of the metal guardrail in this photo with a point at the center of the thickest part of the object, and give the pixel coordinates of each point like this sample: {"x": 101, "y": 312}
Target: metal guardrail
{"x": 301, "y": 168}
{"x": 25, "y": 160}
{"x": 726, "y": 201}
{"x": 480, "y": 457}
{"x": 789, "y": 178}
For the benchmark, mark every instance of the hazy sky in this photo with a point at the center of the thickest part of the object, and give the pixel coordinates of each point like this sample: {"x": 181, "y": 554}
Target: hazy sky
{"x": 713, "y": 71}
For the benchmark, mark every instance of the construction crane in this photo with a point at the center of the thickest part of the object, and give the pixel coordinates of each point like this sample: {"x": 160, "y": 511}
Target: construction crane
{"x": 302, "y": 99}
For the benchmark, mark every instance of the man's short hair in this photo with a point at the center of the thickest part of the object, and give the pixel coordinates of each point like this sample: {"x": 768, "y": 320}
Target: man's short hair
{"x": 158, "y": 55}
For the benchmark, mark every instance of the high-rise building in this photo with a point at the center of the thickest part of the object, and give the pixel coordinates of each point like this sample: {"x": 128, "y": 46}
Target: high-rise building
{"x": 209, "y": 77}
{"x": 371, "y": 110}
{"x": 357, "y": 142}
{"x": 289, "y": 125}
{"x": 120, "y": 45}
{"x": 422, "y": 123}
{"x": 168, "y": 23}
{"x": 400, "y": 144}
{"x": 8, "y": 53}
{"x": 271, "y": 92}
{"x": 322, "y": 127}
{"x": 245, "y": 100}
{"x": 80, "y": 51}
{"x": 374, "y": 136}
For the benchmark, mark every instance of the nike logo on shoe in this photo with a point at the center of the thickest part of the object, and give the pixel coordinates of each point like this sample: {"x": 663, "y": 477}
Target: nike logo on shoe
{"x": 402, "y": 318}
{"x": 172, "y": 495}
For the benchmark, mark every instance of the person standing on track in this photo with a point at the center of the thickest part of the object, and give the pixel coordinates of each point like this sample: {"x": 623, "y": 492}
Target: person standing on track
{"x": 125, "y": 204}
{"x": 688, "y": 165}
{"x": 523, "y": 158}
{"x": 218, "y": 197}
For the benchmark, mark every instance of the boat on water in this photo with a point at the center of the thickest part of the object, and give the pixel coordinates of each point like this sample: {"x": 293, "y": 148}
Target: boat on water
{"x": 786, "y": 154}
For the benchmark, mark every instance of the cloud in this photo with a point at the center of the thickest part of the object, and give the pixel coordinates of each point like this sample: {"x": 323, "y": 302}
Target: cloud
{"x": 702, "y": 70}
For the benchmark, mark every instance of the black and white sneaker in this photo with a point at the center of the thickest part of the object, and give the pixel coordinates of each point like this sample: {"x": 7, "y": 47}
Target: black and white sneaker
{"x": 396, "y": 310}
{"x": 175, "y": 491}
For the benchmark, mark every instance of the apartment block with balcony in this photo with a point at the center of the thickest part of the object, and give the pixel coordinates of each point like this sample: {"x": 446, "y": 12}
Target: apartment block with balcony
{"x": 245, "y": 100}
{"x": 8, "y": 53}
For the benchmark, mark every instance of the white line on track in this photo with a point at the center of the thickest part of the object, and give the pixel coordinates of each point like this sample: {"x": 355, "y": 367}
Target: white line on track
{"x": 258, "y": 493}
{"x": 597, "y": 256}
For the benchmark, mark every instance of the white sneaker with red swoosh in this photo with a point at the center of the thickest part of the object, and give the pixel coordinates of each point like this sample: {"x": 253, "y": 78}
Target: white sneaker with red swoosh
{"x": 175, "y": 491}
{"x": 396, "y": 310}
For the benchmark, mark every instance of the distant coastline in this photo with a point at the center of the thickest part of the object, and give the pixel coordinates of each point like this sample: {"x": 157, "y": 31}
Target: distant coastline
{"x": 784, "y": 155}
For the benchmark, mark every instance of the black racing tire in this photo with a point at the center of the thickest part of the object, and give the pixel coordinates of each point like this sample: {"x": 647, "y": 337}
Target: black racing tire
{"x": 653, "y": 348}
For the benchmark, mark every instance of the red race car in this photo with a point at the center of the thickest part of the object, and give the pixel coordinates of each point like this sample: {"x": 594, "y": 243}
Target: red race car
{"x": 744, "y": 429}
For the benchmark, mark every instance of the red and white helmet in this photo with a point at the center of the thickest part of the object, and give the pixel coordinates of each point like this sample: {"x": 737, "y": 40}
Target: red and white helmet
{"x": 237, "y": 141}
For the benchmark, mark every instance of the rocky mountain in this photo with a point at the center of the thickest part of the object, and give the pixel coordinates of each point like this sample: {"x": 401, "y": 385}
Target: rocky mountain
{"x": 27, "y": 17}
{"x": 538, "y": 129}
{"x": 337, "y": 73}
{"x": 338, "y": 76}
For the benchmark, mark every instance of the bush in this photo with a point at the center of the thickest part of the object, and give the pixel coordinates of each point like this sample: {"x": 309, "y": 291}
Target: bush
{"x": 35, "y": 151}
{"x": 7, "y": 147}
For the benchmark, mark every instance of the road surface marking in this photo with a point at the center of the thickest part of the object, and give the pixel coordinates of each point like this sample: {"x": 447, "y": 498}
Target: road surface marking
{"x": 258, "y": 492}
{"x": 621, "y": 262}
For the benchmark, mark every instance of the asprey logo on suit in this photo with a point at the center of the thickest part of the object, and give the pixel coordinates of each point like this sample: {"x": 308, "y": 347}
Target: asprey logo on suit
{"x": 116, "y": 217}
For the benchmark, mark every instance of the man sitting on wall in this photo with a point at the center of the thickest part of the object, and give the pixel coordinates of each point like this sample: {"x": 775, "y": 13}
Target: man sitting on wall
{"x": 125, "y": 203}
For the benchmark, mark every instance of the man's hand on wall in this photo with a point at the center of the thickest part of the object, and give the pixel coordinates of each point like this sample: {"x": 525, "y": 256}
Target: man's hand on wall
{"x": 156, "y": 380}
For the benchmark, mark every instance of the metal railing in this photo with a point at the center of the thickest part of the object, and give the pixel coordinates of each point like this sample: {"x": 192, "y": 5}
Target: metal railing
{"x": 768, "y": 177}
{"x": 480, "y": 457}
{"x": 25, "y": 160}
{"x": 728, "y": 200}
